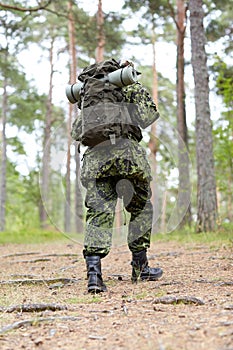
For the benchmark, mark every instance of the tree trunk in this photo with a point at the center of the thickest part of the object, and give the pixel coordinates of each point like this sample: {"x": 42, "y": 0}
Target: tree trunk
{"x": 78, "y": 193}
{"x": 153, "y": 145}
{"x": 72, "y": 53}
{"x": 45, "y": 173}
{"x": 100, "y": 33}
{"x": 163, "y": 227}
{"x": 206, "y": 186}
{"x": 68, "y": 181}
{"x": 3, "y": 161}
{"x": 184, "y": 196}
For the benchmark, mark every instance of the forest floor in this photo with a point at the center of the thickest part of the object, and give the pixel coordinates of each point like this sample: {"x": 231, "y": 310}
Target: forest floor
{"x": 44, "y": 303}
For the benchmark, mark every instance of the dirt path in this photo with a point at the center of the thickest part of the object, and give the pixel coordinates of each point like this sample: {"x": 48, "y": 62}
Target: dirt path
{"x": 190, "y": 307}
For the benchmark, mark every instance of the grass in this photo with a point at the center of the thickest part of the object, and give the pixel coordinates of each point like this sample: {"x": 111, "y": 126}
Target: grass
{"x": 187, "y": 235}
{"x": 143, "y": 294}
{"x": 30, "y": 236}
{"x": 87, "y": 299}
{"x": 223, "y": 235}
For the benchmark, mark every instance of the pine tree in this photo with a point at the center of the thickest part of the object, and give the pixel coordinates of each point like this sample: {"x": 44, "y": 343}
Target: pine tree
{"x": 206, "y": 187}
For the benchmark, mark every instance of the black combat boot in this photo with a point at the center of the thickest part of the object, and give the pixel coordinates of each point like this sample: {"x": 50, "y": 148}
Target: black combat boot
{"x": 95, "y": 282}
{"x": 141, "y": 270}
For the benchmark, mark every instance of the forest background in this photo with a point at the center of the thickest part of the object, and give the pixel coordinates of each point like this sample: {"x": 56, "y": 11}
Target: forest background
{"x": 184, "y": 51}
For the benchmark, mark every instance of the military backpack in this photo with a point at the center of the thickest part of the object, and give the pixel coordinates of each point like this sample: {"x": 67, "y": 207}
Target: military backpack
{"x": 105, "y": 114}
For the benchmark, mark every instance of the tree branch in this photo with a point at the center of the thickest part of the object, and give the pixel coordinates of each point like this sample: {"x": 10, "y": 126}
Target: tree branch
{"x": 33, "y": 308}
{"x": 35, "y": 321}
{"x": 49, "y": 281}
{"x": 178, "y": 300}
{"x": 173, "y": 15}
{"x": 25, "y": 9}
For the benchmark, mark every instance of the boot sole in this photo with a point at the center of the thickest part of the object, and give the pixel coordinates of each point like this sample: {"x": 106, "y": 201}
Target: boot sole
{"x": 150, "y": 278}
{"x": 147, "y": 278}
{"x": 96, "y": 290}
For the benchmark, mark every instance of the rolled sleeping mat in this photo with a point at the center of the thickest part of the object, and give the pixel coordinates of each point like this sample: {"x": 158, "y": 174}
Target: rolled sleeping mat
{"x": 73, "y": 92}
{"x": 123, "y": 76}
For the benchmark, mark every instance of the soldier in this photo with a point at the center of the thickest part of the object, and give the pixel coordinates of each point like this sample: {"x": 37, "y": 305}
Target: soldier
{"x": 121, "y": 170}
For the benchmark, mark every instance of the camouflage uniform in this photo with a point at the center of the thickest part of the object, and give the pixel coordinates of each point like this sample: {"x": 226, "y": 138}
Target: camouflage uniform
{"x": 120, "y": 170}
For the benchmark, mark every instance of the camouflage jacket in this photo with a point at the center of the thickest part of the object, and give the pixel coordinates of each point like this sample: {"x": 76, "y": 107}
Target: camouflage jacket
{"x": 130, "y": 156}
{"x": 138, "y": 95}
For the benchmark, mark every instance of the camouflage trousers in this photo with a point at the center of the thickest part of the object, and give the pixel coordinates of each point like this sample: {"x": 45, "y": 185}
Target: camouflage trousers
{"x": 101, "y": 198}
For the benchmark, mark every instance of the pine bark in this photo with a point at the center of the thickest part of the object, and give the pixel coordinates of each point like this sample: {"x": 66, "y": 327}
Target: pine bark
{"x": 78, "y": 193}
{"x": 153, "y": 144}
{"x": 100, "y": 33}
{"x": 184, "y": 196}
{"x": 45, "y": 173}
{"x": 72, "y": 53}
{"x": 206, "y": 186}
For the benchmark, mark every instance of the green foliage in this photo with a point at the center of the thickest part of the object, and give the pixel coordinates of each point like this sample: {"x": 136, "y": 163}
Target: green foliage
{"x": 16, "y": 145}
{"x": 224, "y": 235}
{"x": 15, "y": 26}
{"x": 153, "y": 13}
{"x": 224, "y": 82}
{"x": 114, "y": 35}
{"x": 34, "y": 235}
{"x": 223, "y": 150}
{"x": 220, "y": 22}
{"x": 223, "y": 137}
{"x": 87, "y": 34}
{"x": 20, "y": 206}
{"x": 24, "y": 105}
{"x": 30, "y": 236}
{"x": 151, "y": 6}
